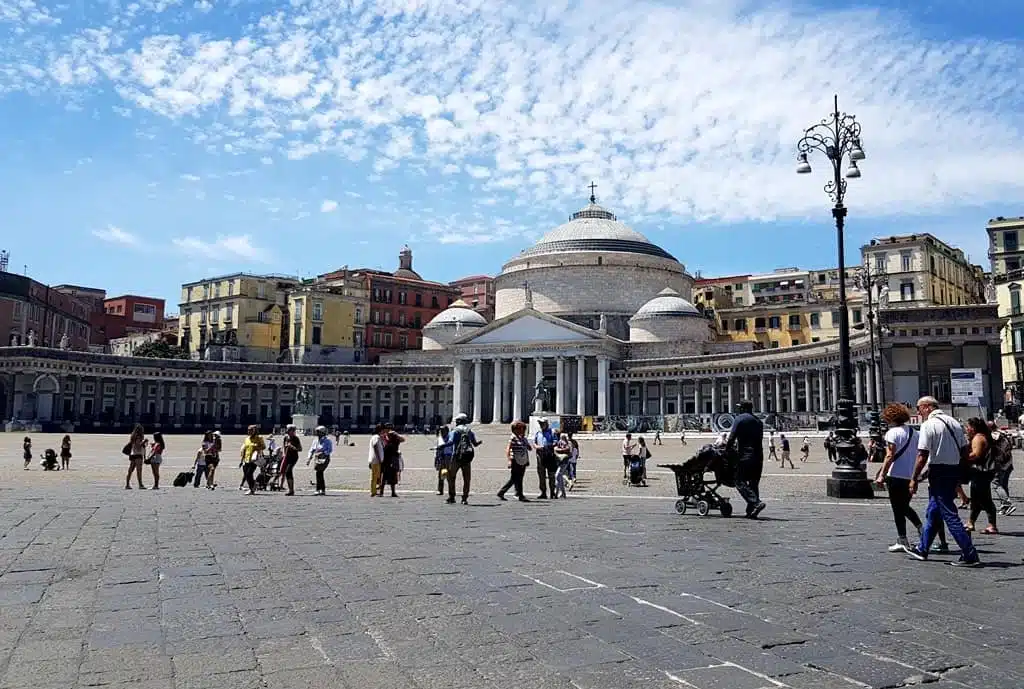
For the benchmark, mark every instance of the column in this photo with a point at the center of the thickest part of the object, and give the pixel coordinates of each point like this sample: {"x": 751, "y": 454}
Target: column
{"x": 870, "y": 367}
{"x": 808, "y": 402}
{"x": 746, "y": 389}
{"x": 78, "y": 399}
{"x": 858, "y": 384}
{"x": 517, "y": 389}
{"x": 716, "y": 394}
{"x": 732, "y": 400}
{"x": 478, "y": 389}
{"x": 179, "y": 411}
{"x": 496, "y": 414}
{"x": 538, "y": 378}
{"x": 456, "y": 391}
{"x": 763, "y": 397}
{"x": 822, "y": 403}
{"x": 792, "y": 392}
{"x": 560, "y": 389}
{"x": 661, "y": 398}
{"x": 275, "y": 404}
{"x": 581, "y": 386}
{"x": 835, "y": 388}
{"x": 602, "y": 386}
{"x": 679, "y": 396}
{"x": 696, "y": 397}
{"x": 778, "y": 393}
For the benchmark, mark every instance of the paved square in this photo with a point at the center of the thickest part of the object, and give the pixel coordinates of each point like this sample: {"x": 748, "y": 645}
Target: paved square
{"x": 197, "y": 589}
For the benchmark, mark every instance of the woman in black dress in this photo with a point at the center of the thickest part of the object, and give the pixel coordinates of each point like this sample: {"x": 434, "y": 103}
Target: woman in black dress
{"x": 390, "y": 465}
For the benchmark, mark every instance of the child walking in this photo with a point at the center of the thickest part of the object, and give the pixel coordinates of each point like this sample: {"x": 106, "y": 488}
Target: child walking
{"x": 26, "y": 451}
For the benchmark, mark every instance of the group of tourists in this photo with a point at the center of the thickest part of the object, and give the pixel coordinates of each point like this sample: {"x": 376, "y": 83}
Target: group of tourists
{"x": 947, "y": 456}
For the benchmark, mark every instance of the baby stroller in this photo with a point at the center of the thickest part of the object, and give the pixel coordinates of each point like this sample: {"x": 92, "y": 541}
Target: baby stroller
{"x": 269, "y": 466}
{"x": 637, "y": 472}
{"x": 696, "y": 491}
{"x": 49, "y": 461}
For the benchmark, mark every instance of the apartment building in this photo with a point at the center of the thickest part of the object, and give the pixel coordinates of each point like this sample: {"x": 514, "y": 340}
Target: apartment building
{"x": 33, "y": 312}
{"x": 478, "y": 292}
{"x": 923, "y": 270}
{"x": 237, "y": 317}
{"x": 1007, "y": 258}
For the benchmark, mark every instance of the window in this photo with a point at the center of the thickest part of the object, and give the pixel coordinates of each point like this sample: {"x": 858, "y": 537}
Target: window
{"x": 401, "y": 319}
{"x": 759, "y": 324}
{"x": 907, "y": 291}
{"x": 815, "y": 339}
{"x": 905, "y": 261}
{"x": 387, "y": 318}
{"x": 796, "y": 343}
{"x": 419, "y": 299}
{"x": 775, "y": 322}
{"x": 794, "y": 321}
{"x": 1014, "y": 300}
{"x": 215, "y": 313}
{"x": 416, "y": 322}
{"x": 1010, "y": 240}
{"x": 387, "y": 296}
{"x": 376, "y": 339}
{"x": 216, "y": 290}
{"x": 737, "y": 301}
{"x": 387, "y": 339}
{"x": 357, "y": 340}
{"x": 229, "y": 310}
{"x": 231, "y": 288}
{"x": 206, "y": 291}
{"x": 822, "y": 277}
{"x": 403, "y": 341}
{"x": 815, "y": 320}
{"x": 318, "y": 310}
{"x": 933, "y": 264}
{"x": 317, "y": 333}
{"x": 857, "y": 316}
{"x": 261, "y": 291}
{"x": 740, "y": 325}
{"x": 296, "y": 334}
{"x": 433, "y": 302}
{"x": 401, "y": 297}
{"x": 1012, "y": 264}
{"x": 775, "y": 344}
{"x": 202, "y": 316}
{"x": 835, "y": 319}
{"x": 880, "y": 263}
{"x": 359, "y": 314}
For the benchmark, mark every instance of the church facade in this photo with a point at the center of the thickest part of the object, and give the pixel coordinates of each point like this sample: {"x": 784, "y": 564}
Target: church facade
{"x": 594, "y": 324}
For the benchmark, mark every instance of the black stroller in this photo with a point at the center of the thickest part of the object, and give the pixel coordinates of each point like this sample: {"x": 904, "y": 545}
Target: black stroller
{"x": 49, "y": 460}
{"x": 269, "y": 466}
{"x": 700, "y": 493}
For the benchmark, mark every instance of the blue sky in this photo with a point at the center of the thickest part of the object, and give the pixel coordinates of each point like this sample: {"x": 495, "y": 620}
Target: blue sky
{"x": 154, "y": 142}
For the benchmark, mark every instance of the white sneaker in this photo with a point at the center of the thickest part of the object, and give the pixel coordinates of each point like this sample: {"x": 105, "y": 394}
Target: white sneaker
{"x": 900, "y": 546}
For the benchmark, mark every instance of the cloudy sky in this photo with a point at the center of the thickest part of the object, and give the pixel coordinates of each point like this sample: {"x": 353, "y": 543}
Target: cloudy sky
{"x": 152, "y": 142}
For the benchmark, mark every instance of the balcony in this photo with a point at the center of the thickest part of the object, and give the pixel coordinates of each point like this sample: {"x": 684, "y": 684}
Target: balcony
{"x": 760, "y": 329}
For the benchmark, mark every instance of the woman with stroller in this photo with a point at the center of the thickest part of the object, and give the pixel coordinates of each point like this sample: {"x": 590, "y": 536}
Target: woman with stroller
{"x": 65, "y": 453}
{"x": 563, "y": 453}
{"x": 136, "y": 451}
{"x": 156, "y": 457}
{"x": 643, "y": 454}
{"x": 252, "y": 446}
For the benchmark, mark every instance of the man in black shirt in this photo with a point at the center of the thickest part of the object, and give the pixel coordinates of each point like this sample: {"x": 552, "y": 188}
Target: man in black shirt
{"x": 746, "y": 441}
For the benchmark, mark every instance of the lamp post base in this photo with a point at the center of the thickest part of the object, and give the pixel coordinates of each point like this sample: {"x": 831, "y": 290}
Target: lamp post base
{"x": 848, "y": 487}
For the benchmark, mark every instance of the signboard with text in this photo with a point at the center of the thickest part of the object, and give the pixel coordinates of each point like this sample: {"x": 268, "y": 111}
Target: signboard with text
{"x": 966, "y": 386}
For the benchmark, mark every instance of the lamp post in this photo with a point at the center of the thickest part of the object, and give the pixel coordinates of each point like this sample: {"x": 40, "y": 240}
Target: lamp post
{"x": 867, "y": 280}
{"x": 838, "y": 138}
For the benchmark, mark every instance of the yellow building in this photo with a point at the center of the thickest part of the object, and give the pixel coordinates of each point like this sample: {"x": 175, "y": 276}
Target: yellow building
{"x": 239, "y": 317}
{"x": 923, "y": 270}
{"x": 327, "y": 325}
{"x": 1007, "y": 255}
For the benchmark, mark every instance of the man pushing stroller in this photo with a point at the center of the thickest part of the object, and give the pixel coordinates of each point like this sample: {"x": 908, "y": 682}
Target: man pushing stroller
{"x": 746, "y": 444}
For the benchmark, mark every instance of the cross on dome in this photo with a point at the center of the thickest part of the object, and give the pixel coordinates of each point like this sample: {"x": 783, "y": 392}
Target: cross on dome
{"x": 593, "y": 197}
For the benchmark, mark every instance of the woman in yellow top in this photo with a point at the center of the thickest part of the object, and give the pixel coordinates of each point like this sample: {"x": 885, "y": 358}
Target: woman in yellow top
{"x": 251, "y": 449}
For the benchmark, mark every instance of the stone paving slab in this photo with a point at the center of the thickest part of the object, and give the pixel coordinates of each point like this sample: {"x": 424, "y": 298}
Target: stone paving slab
{"x": 196, "y": 589}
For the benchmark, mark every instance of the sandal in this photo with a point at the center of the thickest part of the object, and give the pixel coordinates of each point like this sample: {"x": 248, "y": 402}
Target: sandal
{"x": 969, "y": 528}
{"x": 991, "y": 531}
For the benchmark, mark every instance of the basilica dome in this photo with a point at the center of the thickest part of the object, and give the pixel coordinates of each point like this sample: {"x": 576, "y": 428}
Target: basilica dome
{"x": 667, "y": 304}
{"x": 451, "y": 324}
{"x": 594, "y": 265}
{"x": 669, "y": 318}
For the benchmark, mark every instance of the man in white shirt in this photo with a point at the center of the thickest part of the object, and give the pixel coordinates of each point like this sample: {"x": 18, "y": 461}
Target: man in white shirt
{"x": 628, "y": 450}
{"x": 941, "y": 444}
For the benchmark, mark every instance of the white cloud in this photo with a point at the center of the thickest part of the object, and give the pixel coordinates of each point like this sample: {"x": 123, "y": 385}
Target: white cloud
{"x": 191, "y": 178}
{"x": 224, "y": 248}
{"x": 690, "y": 111}
{"x": 267, "y": 160}
{"x": 328, "y": 206}
{"x": 115, "y": 235}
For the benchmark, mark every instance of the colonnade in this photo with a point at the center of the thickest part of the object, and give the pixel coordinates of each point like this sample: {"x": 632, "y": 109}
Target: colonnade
{"x": 502, "y": 389}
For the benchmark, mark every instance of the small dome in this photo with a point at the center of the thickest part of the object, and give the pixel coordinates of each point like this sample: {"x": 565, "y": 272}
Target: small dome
{"x": 668, "y": 304}
{"x": 458, "y": 312}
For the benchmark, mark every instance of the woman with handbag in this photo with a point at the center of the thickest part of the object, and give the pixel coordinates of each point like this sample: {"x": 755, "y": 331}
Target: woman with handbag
{"x": 136, "y": 451}
{"x": 981, "y": 474}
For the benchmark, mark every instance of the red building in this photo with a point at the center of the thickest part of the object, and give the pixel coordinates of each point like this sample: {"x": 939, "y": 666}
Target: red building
{"x": 401, "y": 303}
{"x": 32, "y": 311}
{"x": 478, "y": 292}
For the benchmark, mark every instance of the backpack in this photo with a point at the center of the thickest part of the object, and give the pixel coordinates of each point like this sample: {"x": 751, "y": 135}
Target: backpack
{"x": 463, "y": 447}
{"x": 1000, "y": 455}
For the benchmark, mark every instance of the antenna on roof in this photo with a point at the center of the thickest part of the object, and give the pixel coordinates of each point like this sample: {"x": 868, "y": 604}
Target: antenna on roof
{"x": 5, "y": 259}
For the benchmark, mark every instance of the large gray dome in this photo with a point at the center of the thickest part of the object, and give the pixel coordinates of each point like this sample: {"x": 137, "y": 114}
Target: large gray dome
{"x": 594, "y": 228}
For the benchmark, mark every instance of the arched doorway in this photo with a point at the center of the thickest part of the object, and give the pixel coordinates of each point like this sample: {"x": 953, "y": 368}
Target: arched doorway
{"x": 44, "y": 390}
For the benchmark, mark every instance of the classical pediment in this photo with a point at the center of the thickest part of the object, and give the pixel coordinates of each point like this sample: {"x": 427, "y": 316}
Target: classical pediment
{"x": 531, "y": 326}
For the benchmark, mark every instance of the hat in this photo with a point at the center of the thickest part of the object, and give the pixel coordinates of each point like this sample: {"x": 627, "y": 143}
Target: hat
{"x": 290, "y": 427}
{"x": 320, "y": 429}
{"x": 460, "y": 417}
{"x": 217, "y": 433}
{"x": 542, "y": 419}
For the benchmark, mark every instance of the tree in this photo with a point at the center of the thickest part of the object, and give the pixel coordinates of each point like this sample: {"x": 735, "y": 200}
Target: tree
{"x": 160, "y": 349}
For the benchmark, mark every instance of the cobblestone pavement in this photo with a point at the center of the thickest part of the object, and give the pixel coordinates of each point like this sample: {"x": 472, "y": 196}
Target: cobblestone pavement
{"x": 188, "y": 589}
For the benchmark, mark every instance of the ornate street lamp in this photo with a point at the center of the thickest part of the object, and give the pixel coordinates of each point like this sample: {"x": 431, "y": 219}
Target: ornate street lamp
{"x": 838, "y": 138}
{"x": 867, "y": 280}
